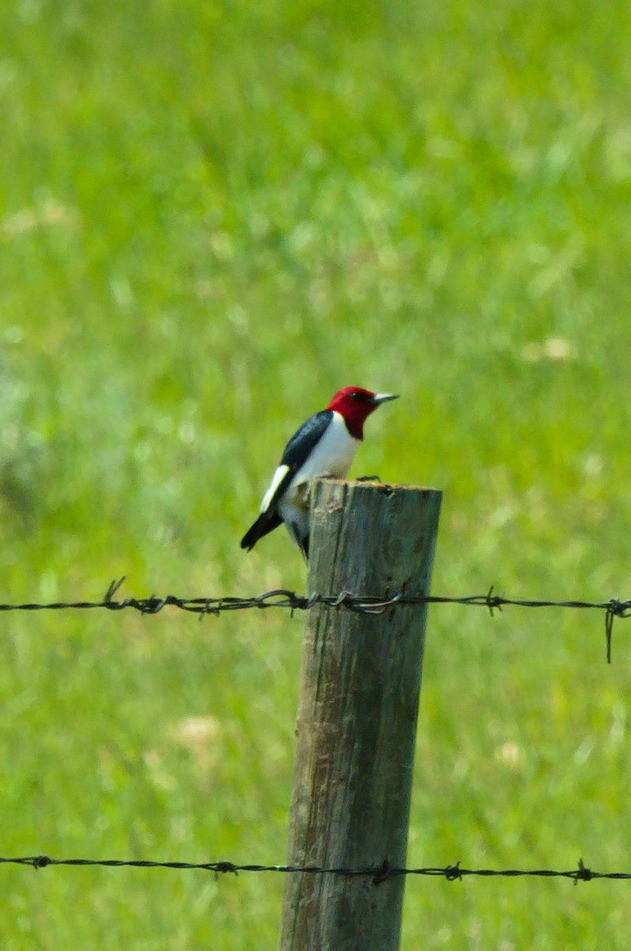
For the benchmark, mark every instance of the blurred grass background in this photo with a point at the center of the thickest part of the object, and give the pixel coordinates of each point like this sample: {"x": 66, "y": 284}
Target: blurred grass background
{"x": 211, "y": 216}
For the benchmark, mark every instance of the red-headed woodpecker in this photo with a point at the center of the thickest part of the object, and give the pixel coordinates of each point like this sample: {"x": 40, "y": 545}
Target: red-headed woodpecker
{"x": 323, "y": 446}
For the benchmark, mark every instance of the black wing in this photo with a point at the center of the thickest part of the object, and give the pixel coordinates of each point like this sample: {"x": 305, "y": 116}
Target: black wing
{"x": 303, "y": 441}
{"x": 298, "y": 448}
{"x": 296, "y": 452}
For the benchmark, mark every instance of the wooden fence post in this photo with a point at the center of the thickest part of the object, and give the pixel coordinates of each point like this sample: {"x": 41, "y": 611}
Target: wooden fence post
{"x": 357, "y": 715}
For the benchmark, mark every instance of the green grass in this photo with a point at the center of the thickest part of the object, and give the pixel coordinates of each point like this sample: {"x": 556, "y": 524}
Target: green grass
{"x": 211, "y": 216}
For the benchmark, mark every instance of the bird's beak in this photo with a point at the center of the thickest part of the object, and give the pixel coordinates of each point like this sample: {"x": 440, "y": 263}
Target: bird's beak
{"x": 383, "y": 398}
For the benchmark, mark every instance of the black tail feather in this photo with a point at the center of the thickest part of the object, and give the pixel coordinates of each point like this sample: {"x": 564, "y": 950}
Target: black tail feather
{"x": 265, "y": 523}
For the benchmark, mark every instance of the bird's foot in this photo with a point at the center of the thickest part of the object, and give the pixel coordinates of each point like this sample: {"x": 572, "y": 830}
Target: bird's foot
{"x": 302, "y": 498}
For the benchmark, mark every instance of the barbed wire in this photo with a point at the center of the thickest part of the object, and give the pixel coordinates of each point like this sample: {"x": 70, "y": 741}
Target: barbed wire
{"x": 359, "y": 603}
{"x": 378, "y": 874}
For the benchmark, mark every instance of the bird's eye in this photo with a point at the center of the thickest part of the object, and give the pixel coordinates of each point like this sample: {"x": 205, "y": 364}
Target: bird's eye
{"x": 356, "y": 396}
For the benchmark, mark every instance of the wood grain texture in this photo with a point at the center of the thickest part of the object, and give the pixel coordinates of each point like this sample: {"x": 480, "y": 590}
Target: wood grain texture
{"x": 357, "y": 714}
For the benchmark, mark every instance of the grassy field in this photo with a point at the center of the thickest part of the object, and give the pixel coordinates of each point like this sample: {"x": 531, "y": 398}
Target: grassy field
{"x": 211, "y": 216}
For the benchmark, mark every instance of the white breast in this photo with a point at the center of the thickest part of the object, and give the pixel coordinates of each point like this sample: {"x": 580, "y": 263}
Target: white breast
{"x": 332, "y": 456}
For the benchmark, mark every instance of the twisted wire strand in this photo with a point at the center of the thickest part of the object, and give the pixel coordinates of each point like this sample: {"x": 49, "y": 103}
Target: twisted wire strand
{"x": 378, "y": 874}
{"x": 359, "y": 603}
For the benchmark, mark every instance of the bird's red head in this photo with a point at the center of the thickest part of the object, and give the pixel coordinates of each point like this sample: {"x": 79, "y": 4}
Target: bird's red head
{"x": 355, "y": 404}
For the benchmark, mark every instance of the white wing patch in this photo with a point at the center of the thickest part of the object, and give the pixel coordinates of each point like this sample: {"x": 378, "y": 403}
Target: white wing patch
{"x": 277, "y": 478}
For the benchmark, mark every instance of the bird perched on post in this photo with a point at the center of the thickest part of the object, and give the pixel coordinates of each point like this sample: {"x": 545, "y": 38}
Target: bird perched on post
{"x": 323, "y": 446}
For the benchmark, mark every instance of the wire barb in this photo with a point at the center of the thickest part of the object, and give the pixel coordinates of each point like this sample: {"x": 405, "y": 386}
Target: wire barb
{"x": 615, "y": 608}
